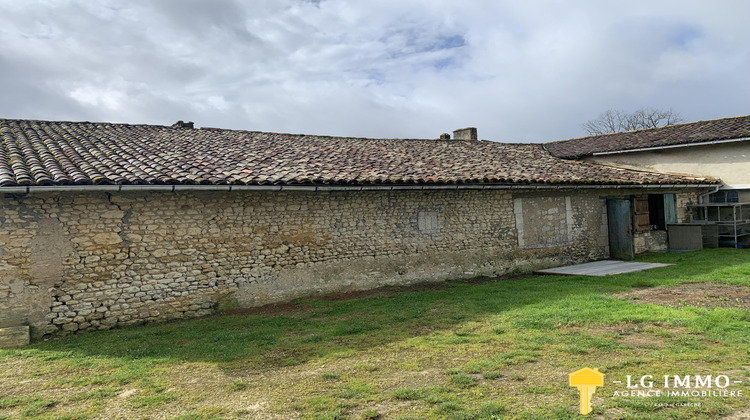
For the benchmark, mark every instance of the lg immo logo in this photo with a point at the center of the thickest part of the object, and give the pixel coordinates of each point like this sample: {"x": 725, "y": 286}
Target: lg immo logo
{"x": 645, "y": 386}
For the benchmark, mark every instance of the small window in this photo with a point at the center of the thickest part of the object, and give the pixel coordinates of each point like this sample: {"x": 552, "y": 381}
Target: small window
{"x": 729, "y": 196}
{"x": 717, "y": 197}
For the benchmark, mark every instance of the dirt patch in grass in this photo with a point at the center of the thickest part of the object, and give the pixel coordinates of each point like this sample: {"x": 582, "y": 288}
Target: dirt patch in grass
{"x": 419, "y": 287}
{"x": 634, "y": 335}
{"x": 485, "y": 279}
{"x": 739, "y": 415}
{"x": 300, "y": 306}
{"x": 641, "y": 340}
{"x": 382, "y": 291}
{"x": 286, "y": 308}
{"x": 706, "y": 295}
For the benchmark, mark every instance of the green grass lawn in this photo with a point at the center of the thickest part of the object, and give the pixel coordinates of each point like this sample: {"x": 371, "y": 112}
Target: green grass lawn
{"x": 476, "y": 350}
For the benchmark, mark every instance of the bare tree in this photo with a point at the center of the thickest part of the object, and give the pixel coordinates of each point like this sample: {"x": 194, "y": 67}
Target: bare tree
{"x": 615, "y": 121}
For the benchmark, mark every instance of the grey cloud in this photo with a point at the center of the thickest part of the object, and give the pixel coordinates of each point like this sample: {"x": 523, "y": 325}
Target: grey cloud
{"x": 518, "y": 71}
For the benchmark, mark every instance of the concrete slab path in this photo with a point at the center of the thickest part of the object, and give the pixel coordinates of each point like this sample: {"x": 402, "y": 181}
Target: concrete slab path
{"x": 601, "y": 268}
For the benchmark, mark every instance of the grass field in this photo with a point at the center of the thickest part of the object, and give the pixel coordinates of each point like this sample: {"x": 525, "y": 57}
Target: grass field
{"x": 496, "y": 349}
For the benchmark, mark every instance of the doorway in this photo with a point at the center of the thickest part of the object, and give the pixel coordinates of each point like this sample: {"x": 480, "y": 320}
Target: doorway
{"x": 619, "y": 220}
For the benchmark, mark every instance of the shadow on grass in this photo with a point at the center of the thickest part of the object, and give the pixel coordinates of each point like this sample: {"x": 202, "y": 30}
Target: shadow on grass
{"x": 319, "y": 328}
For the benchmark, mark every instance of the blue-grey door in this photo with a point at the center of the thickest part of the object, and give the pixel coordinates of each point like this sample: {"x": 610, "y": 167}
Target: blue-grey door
{"x": 620, "y": 221}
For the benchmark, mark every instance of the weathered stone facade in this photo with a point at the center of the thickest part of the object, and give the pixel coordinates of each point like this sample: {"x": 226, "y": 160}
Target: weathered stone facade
{"x": 84, "y": 261}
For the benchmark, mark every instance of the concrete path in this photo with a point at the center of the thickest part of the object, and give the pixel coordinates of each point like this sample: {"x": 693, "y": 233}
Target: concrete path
{"x": 601, "y": 268}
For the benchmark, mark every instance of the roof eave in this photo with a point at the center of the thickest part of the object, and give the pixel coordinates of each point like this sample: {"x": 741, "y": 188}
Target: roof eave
{"x": 670, "y": 146}
{"x": 321, "y": 188}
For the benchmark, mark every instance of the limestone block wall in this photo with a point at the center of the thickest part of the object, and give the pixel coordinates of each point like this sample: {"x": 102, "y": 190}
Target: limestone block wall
{"x": 74, "y": 262}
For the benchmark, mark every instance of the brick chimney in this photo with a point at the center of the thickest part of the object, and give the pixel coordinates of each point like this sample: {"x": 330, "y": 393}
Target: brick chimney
{"x": 468, "y": 133}
{"x": 182, "y": 124}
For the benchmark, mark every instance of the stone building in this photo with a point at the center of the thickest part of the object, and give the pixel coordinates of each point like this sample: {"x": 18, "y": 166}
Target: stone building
{"x": 103, "y": 225}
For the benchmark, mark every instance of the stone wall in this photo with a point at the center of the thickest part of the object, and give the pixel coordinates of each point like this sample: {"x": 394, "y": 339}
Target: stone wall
{"x": 84, "y": 261}
{"x": 683, "y": 200}
{"x": 655, "y": 240}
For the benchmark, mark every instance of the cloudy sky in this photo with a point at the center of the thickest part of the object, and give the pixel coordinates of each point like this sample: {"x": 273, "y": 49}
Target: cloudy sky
{"x": 518, "y": 70}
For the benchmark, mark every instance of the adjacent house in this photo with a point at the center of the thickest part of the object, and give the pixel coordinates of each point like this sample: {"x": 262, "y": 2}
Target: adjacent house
{"x": 103, "y": 225}
{"x": 716, "y": 148}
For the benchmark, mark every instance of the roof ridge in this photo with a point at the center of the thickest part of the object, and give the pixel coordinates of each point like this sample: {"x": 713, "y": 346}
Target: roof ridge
{"x": 325, "y": 136}
{"x": 321, "y": 136}
{"x": 82, "y": 122}
{"x": 218, "y": 129}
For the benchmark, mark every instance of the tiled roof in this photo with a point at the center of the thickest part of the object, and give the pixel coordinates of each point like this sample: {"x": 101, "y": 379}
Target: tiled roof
{"x": 690, "y": 133}
{"x": 60, "y": 153}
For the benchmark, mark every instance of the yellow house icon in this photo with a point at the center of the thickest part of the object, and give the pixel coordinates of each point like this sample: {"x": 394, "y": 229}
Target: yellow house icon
{"x": 586, "y": 380}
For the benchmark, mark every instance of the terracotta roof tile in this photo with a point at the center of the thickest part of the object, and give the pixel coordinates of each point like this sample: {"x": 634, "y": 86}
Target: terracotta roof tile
{"x": 60, "y": 153}
{"x": 690, "y": 133}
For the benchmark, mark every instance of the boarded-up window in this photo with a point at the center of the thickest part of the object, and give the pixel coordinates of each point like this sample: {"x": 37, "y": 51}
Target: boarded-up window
{"x": 427, "y": 222}
{"x": 641, "y": 216}
{"x": 543, "y": 221}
